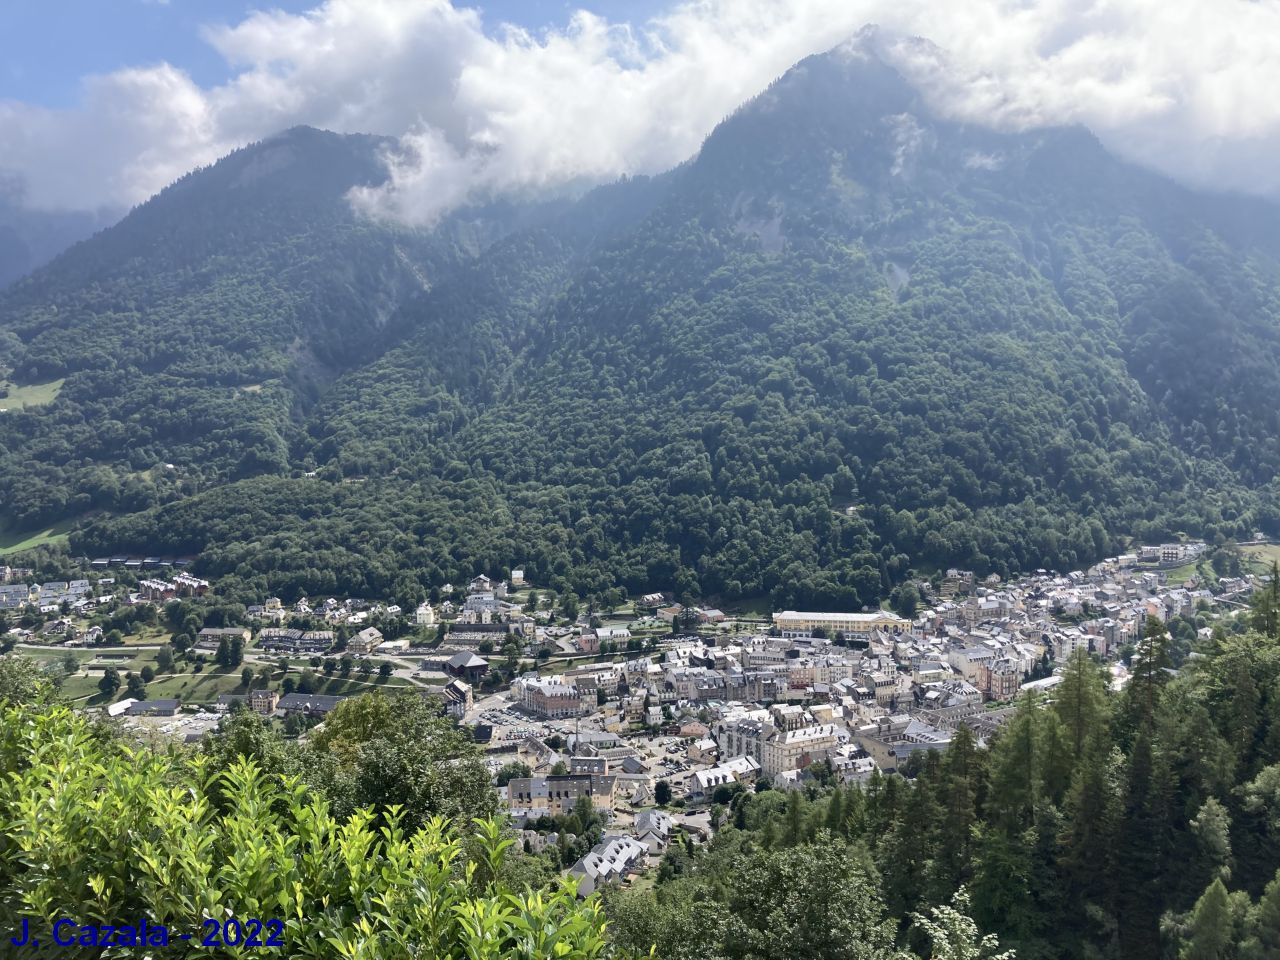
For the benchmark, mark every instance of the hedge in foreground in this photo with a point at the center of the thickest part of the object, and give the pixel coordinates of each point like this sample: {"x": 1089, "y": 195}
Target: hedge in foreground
{"x": 101, "y": 833}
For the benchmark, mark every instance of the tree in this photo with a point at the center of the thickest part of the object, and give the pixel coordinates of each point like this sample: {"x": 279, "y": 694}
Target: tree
{"x": 402, "y": 749}
{"x": 385, "y": 670}
{"x": 136, "y": 686}
{"x": 22, "y": 681}
{"x": 512, "y": 771}
{"x": 164, "y": 659}
{"x": 1262, "y": 938}
{"x": 148, "y": 674}
{"x": 246, "y": 677}
{"x": 953, "y": 935}
{"x": 662, "y": 793}
{"x": 1080, "y": 701}
{"x": 905, "y": 600}
{"x": 1265, "y": 605}
{"x": 110, "y": 682}
{"x": 1150, "y": 666}
{"x": 1210, "y": 935}
{"x": 1140, "y": 851}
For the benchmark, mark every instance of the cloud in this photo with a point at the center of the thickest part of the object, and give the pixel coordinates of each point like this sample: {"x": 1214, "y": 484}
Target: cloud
{"x": 1181, "y": 85}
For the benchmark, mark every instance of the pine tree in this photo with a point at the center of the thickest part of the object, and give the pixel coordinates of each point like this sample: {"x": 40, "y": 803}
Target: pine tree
{"x": 907, "y": 855}
{"x": 1139, "y": 854}
{"x": 1262, "y": 940}
{"x": 1088, "y": 829}
{"x": 795, "y": 818}
{"x": 1265, "y": 613}
{"x": 1081, "y": 700}
{"x": 834, "y": 821}
{"x": 1210, "y": 935}
{"x": 962, "y": 780}
{"x": 1211, "y": 827}
{"x": 1055, "y": 757}
{"x": 1149, "y": 676}
{"x": 1015, "y": 770}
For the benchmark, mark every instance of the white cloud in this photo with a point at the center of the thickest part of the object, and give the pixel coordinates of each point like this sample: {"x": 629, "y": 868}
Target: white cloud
{"x": 1182, "y": 85}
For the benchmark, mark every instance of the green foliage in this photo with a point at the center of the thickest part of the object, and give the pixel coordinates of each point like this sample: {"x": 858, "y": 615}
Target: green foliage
{"x": 815, "y": 900}
{"x": 954, "y": 936}
{"x": 512, "y": 771}
{"x": 376, "y": 751}
{"x": 138, "y": 833}
{"x": 23, "y": 682}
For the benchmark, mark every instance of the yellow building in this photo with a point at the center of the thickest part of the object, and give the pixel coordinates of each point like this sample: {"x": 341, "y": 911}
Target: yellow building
{"x": 793, "y": 624}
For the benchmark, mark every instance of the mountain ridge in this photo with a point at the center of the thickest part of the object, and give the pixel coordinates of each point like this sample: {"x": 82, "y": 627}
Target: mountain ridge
{"x": 986, "y": 344}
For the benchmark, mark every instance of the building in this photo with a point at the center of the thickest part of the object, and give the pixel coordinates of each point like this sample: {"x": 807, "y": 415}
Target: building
{"x": 365, "y": 642}
{"x": 776, "y": 747}
{"x": 264, "y": 701}
{"x": 596, "y": 765}
{"x": 467, "y": 666}
{"x": 152, "y": 708}
{"x": 1001, "y": 679}
{"x": 744, "y": 770}
{"x": 653, "y": 829}
{"x": 548, "y": 697}
{"x": 209, "y": 637}
{"x": 529, "y": 798}
{"x": 458, "y": 698}
{"x": 156, "y": 591}
{"x": 425, "y": 615}
{"x": 287, "y": 640}
{"x": 891, "y": 741}
{"x": 313, "y": 704}
{"x": 791, "y": 624}
{"x": 610, "y": 862}
{"x": 188, "y": 586}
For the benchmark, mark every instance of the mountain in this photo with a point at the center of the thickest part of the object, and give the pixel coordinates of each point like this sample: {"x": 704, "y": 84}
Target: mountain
{"x": 848, "y": 339}
{"x": 31, "y": 238}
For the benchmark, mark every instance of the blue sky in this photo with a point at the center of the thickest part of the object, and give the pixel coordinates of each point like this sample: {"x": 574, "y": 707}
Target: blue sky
{"x": 47, "y": 46}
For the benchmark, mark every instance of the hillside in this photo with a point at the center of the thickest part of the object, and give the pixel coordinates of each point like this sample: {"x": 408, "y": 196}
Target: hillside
{"x": 849, "y": 338}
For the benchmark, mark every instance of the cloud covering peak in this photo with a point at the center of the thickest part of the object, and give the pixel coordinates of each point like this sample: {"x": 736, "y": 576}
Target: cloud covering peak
{"x": 1180, "y": 85}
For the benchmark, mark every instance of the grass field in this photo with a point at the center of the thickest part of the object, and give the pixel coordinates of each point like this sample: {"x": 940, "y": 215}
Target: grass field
{"x": 206, "y": 686}
{"x": 32, "y": 395}
{"x": 17, "y": 542}
{"x": 1259, "y": 559}
{"x": 1180, "y": 574}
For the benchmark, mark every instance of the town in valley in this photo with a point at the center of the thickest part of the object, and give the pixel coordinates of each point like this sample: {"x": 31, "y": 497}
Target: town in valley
{"x": 644, "y": 719}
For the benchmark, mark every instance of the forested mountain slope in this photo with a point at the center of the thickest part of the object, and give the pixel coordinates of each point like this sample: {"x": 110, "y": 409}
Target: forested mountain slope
{"x": 848, "y": 338}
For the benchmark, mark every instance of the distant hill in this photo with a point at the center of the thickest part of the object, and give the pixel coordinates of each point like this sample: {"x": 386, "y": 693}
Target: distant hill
{"x": 848, "y": 339}
{"x": 31, "y": 238}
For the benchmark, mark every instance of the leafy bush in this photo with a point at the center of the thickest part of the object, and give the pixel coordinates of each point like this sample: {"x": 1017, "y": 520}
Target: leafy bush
{"x": 103, "y": 833}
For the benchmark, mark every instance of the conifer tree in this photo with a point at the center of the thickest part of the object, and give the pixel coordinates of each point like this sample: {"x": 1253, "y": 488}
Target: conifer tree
{"x": 1080, "y": 701}
{"x": 1210, "y": 935}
